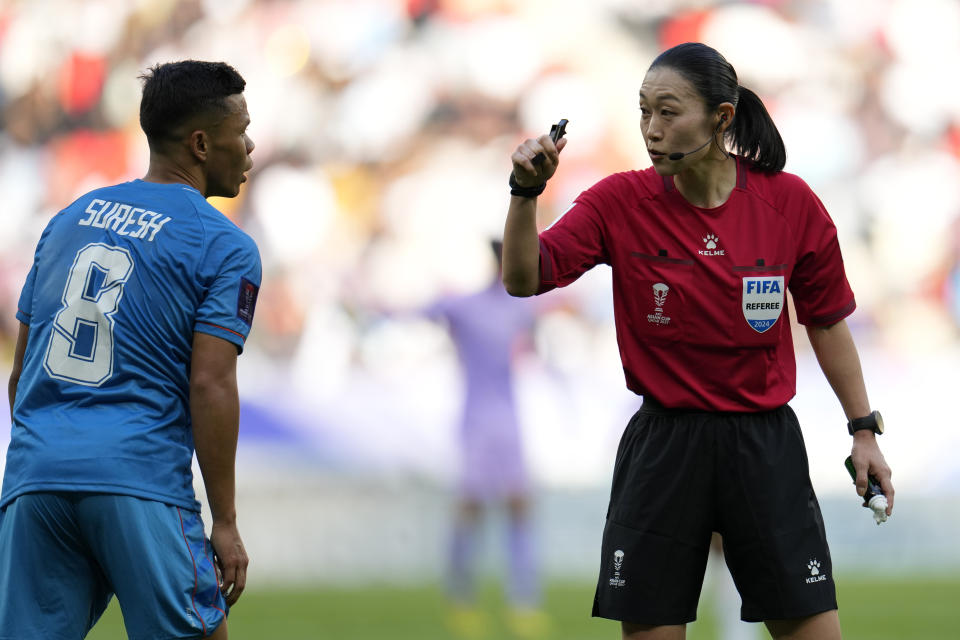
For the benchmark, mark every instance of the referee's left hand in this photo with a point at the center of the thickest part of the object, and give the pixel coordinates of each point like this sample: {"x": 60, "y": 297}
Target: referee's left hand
{"x": 868, "y": 459}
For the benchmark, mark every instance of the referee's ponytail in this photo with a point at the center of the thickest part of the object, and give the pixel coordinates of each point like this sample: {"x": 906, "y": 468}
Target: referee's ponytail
{"x": 752, "y": 132}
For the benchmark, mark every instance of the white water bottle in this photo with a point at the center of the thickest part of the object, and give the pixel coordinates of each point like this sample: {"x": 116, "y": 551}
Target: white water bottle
{"x": 873, "y": 498}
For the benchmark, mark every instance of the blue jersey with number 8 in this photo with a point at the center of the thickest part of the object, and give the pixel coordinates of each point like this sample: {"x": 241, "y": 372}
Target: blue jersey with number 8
{"x": 121, "y": 280}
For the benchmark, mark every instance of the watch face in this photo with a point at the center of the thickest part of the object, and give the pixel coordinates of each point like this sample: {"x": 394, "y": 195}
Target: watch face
{"x": 879, "y": 421}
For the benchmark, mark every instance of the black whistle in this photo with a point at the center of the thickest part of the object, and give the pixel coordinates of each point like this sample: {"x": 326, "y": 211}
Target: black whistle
{"x": 557, "y": 131}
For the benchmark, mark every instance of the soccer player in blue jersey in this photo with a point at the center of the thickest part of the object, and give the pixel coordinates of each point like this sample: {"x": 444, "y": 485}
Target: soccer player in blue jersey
{"x": 138, "y": 302}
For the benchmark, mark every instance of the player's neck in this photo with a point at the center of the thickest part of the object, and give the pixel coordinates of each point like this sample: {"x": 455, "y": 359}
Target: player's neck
{"x": 164, "y": 170}
{"x": 709, "y": 183}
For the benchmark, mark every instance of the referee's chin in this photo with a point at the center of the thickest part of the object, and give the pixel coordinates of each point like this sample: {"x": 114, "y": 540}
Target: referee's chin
{"x": 664, "y": 166}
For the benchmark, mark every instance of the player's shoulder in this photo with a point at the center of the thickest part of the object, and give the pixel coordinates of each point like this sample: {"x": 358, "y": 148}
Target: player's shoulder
{"x": 215, "y": 223}
{"x": 224, "y": 230}
{"x": 226, "y": 238}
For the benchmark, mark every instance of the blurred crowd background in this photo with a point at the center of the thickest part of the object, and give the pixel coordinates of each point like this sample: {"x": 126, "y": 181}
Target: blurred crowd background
{"x": 383, "y": 131}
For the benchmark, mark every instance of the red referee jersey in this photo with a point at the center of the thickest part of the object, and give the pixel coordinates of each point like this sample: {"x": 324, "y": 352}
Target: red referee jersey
{"x": 699, "y": 295}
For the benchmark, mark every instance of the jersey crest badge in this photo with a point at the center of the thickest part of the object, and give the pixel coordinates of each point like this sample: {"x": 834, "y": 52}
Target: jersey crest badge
{"x": 762, "y": 301}
{"x": 247, "y": 301}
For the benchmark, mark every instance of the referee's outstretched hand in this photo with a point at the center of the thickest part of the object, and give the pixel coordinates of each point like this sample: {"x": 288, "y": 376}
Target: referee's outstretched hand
{"x": 231, "y": 558}
{"x": 868, "y": 459}
{"x": 528, "y": 174}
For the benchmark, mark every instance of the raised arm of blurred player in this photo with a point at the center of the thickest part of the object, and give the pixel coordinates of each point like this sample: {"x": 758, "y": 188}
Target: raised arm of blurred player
{"x": 840, "y": 363}
{"x": 215, "y": 410}
{"x": 21, "y": 348}
{"x": 521, "y": 245}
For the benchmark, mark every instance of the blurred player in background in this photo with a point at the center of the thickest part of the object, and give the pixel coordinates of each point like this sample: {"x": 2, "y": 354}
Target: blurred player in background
{"x": 487, "y": 328}
{"x": 139, "y": 300}
{"x": 951, "y": 285}
{"x": 703, "y": 246}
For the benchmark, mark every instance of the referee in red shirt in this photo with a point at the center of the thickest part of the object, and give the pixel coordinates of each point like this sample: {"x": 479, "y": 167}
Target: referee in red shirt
{"x": 703, "y": 247}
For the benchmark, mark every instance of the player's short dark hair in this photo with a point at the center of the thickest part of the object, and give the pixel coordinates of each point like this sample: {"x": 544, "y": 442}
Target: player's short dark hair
{"x": 174, "y": 92}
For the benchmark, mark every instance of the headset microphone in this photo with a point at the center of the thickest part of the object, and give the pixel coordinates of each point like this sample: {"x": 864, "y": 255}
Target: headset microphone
{"x": 678, "y": 155}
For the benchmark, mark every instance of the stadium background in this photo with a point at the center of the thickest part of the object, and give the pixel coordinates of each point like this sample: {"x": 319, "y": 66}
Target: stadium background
{"x": 383, "y": 132}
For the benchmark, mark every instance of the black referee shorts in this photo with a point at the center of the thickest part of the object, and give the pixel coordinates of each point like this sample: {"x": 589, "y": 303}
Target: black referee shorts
{"x": 679, "y": 476}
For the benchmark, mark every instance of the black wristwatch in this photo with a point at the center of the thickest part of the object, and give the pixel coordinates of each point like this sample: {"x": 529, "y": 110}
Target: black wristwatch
{"x": 874, "y": 422}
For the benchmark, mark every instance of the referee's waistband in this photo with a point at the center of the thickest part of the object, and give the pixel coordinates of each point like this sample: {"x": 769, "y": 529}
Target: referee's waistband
{"x": 654, "y": 406}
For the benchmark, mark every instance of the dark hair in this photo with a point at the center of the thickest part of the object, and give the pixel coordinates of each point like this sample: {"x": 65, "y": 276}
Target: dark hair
{"x": 752, "y": 133}
{"x": 176, "y": 91}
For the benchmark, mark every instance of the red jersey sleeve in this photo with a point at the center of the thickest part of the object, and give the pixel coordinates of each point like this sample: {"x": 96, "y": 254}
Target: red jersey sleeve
{"x": 821, "y": 293}
{"x": 574, "y": 243}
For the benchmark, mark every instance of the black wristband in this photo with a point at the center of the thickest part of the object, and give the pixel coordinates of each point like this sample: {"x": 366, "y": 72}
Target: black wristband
{"x": 525, "y": 192}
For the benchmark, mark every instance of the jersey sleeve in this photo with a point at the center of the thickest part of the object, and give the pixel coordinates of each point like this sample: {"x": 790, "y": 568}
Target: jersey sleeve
{"x": 821, "y": 293}
{"x": 573, "y": 244}
{"x": 232, "y": 272}
{"x": 25, "y": 303}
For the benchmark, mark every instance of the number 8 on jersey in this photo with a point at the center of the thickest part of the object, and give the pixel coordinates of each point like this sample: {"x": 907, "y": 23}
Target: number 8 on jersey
{"x": 81, "y": 343}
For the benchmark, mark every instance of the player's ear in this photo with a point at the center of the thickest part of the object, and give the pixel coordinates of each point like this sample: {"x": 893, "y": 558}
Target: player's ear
{"x": 199, "y": 143}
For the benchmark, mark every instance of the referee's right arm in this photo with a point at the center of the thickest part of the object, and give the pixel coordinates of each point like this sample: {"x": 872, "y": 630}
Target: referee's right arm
{"x": 521, "y": 242}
